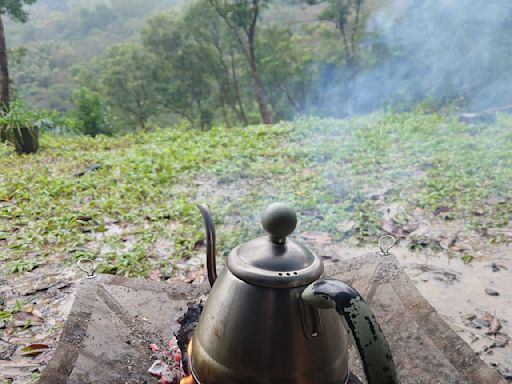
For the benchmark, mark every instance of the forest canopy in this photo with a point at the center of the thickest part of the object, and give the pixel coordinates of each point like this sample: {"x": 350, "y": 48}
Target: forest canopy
{"x": 117, "y": 66}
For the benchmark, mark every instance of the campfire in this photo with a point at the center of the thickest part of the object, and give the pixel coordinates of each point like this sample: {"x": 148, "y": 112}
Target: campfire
{"x": 271, "y": 296}
{"x": 260, "y": 333}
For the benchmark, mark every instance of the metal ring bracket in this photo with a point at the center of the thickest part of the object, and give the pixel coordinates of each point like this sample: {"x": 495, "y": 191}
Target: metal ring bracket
{"x": 90, "y": 269}
{"x": 386, "y": 242}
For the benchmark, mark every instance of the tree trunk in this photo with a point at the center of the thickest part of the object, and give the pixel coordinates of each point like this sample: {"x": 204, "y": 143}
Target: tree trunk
{"x": 265, "y": 116}
{"x": 237, "y": 89}
{"x": 4, "y": 79}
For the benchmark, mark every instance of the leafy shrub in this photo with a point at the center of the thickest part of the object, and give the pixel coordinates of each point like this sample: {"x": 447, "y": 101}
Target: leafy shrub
{"x": 18, "y": 126}
{"x": 90, "y": 115}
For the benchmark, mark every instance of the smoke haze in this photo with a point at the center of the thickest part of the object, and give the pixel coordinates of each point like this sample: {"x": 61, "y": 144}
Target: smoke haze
{"x": 439, "y": 50}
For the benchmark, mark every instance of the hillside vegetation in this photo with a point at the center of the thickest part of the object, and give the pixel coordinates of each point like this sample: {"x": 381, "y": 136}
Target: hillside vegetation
{"x": 64, "y": 33}
{"x": 121, "y": 66}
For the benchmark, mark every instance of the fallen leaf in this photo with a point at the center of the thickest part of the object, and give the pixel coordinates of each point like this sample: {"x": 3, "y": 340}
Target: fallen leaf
{"x": 34, "y": 349}
{"x": 89, "y": 169}
{"x": 28, "y": 308}
{"x": 494, "y": 327}
{"x": 199, "y": 244}
{"x": 24, "y": 319}
{"x": 317, "y": 237}
{"x": 441, "y": 209}
{"x": 389, "y": 226}
{"x": 196, "y": 276}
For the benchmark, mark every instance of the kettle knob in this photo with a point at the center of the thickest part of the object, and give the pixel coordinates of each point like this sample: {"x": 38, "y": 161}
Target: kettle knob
{"x": 279, "y": 220}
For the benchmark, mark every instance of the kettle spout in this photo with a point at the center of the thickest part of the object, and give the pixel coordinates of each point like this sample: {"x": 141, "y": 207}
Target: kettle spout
{"x": 211, "y": 265}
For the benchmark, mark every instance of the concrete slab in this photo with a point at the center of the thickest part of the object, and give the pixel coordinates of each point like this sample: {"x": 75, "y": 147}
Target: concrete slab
{"x": 114, "y": 319}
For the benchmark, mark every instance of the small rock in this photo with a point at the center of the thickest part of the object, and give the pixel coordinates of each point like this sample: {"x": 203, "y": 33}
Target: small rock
{"x": 499, "y": 344}
{"x": 469, "y": 316}
{"x": 495, "y": 267}
{"x": 491, "y": 292}
{"x": 468, "y": 323}
{"x": 479, "y": 323}
{"x": 506, "y": 373}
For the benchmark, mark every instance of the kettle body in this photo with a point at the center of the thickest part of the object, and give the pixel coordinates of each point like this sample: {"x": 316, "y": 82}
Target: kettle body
{"x": 271, "y": 317}
{"x": 261, "y": 335}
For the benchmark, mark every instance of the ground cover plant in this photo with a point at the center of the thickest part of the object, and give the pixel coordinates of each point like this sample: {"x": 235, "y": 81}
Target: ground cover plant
{"x": 134, "y": 212}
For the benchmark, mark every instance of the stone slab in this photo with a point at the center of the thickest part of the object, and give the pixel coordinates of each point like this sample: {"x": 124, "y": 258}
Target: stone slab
{"x": 113, "y": 320}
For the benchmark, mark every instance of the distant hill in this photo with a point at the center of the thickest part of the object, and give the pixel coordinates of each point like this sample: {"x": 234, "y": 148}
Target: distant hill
{"x": 62, "y": 33}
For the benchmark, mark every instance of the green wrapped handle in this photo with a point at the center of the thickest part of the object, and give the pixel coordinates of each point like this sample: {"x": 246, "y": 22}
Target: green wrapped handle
{"x": 359, "y": 320}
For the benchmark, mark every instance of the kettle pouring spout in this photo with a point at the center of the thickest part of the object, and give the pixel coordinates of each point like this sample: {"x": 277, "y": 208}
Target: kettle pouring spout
{"x": 211, "y": 265}
{"x": 360, "y": 321}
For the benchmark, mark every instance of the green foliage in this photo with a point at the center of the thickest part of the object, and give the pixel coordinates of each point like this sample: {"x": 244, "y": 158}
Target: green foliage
{"x": 349, "y": 18}
{"x": 194, "y": 67}
{"x": 19, "y": 127}
{"x": 66, "y": 33}
{"x": 17, "y": 117}
{"x": 6, "y": 314}
{"x": 15, "y": 9}
{"x": 125, "y": 78}
{"x": 182, "y": 63}
{"x": 212, "y": 63}
{"x": 89, "y": 113}
{"x": 240, "y": 13}
{"x": 143, "y": 197}
{"x": 21, "y": 266}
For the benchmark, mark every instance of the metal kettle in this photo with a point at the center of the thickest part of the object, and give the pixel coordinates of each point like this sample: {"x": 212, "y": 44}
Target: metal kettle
{"x": 271, "y": 318}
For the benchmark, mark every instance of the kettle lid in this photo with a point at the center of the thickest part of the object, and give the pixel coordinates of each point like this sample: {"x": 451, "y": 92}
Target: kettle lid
{"x": 275, "y": 261}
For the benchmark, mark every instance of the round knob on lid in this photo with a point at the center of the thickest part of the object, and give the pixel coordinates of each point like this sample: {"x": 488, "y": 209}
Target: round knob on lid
{"x": 279, "y": 220}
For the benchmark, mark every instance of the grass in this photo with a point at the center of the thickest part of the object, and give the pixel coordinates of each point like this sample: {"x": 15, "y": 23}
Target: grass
{"x": 144, "y": 194}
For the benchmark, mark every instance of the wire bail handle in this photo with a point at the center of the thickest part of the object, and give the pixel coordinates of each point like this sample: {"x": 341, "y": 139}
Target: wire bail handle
{"x": 386, "y": 242}
{"x": 89, "y": 267}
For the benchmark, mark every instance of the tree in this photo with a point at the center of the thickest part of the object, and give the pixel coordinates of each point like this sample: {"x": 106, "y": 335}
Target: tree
{"x": 241, "y": 17}
{"x": 182, "y": 67}
{"x": 16, "y": 11}
{"x": 89, "y": 112}
{"x": 347, "y": 15}
{"x": 288, "y": 70}
{"x": 207, "y": 30}
{"x": 125, "y": 79}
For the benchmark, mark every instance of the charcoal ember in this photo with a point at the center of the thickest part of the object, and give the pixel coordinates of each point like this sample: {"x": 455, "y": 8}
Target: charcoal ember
{"x": 159, "y": 369}
{"x": 188, "y": 323}
{"x": 167, "y": 365}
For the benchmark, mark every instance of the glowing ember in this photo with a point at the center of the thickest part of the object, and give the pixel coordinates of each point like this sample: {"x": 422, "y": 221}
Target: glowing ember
{"x": 189, "y": 379}
{"x": 167, "y": 364}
